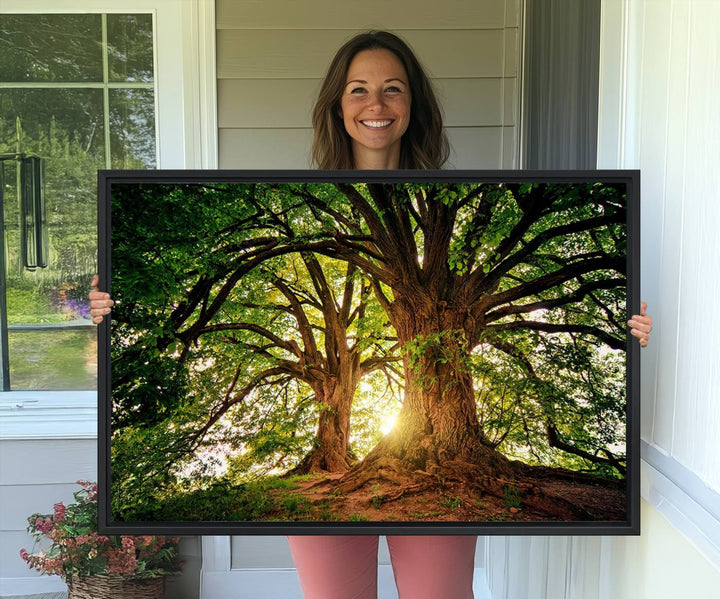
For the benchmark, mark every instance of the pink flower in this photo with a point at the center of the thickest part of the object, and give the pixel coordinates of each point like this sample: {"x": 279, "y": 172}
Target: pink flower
{"x": 128, "y": 542}
{"x": 25, "y": 555}
{"x": 121, "y": 562}
{"x": 90, "y": 488}
{"x": 44, "y": 526}
{"x": 59, "y": 512}
{"x": 53, "y": 565}
{"x": 147, "y": 540}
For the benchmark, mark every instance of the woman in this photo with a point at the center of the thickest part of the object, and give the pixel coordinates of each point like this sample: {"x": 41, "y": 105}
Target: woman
{"x": 377, "y": 110}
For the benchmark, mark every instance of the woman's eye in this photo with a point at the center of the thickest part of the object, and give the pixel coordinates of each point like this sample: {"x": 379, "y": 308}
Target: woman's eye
{"x": 393, "y": 89}
{"x": 357, "y": 90}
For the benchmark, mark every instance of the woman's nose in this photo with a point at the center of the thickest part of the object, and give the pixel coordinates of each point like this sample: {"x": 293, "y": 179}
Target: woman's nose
{"x": 375, "y": 99}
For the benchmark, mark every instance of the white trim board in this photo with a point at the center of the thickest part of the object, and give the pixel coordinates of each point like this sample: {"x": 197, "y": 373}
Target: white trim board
{"x": 48, "y": 415}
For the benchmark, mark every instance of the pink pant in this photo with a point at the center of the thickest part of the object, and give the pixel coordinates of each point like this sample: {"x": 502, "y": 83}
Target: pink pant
{"x": 337, "y": 567}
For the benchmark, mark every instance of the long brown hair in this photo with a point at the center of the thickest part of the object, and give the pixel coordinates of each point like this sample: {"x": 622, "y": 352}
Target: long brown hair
{"x": 424, "y": 144}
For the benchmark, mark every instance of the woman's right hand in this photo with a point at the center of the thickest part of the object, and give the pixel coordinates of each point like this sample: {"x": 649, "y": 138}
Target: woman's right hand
{"x": 100, "y": 302}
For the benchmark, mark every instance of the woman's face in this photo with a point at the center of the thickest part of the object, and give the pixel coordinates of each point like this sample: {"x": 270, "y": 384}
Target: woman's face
{"x": 375, "y": 107}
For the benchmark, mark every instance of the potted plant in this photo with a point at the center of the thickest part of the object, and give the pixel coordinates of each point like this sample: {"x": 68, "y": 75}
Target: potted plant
{"x": 93, "y": 565}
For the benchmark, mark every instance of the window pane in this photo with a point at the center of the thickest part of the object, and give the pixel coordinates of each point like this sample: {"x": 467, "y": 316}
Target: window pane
{"x": 130, "y": 47}
{"x": 50, "y": 48}
{"x": 51, "y": 341}
{"x": 132, "y": 128}
{"x": 54, "y": 122}
{"x": 55, "y": 359}
{"x": 65, "y": 127}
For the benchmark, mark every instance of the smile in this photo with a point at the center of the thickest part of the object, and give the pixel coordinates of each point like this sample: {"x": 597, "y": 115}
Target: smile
{"x": 376, "y": 124}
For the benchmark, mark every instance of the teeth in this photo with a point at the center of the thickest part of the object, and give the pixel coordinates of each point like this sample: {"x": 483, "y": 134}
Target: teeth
{"x": 376, "y": 123}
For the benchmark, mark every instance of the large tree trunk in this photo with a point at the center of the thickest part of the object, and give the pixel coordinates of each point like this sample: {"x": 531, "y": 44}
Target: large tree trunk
{"x": 334, "y": 394}
{"x": 437, "y": 428}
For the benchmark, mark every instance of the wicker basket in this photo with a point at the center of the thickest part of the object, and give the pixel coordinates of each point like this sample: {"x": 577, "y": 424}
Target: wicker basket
{"x": 116, "y": 587}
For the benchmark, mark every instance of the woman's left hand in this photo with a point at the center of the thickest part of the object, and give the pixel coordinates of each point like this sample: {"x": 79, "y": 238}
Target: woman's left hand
{"x": 641, "y": 325}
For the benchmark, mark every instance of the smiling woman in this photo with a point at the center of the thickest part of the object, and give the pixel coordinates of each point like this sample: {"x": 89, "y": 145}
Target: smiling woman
{"x": 374, "y": 78}
{"x": 375, "y": 108}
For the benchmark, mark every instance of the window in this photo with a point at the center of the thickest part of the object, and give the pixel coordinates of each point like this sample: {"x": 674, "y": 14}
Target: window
{"x": 78, "y": 91}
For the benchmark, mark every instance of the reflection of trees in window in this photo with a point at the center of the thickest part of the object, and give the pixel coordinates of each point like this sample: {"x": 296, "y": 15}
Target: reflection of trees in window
{"x": 78, "y": 91}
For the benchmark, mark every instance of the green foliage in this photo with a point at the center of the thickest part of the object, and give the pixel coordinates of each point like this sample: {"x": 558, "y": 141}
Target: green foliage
{"x": 443, "y": 348}
{"x": 451, "y": 502}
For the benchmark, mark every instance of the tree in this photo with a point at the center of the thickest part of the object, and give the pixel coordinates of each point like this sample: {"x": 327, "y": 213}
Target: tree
{"x": 472, "y": 262}
{"x": 457, "y": 269}
{"x": 289, "y": 316}
{"x": 324, "y": 353}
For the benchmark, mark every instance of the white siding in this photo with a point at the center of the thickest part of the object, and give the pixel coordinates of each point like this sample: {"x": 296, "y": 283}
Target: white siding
{"x": 34, "y": 475}
{"x": 669, "y": 127}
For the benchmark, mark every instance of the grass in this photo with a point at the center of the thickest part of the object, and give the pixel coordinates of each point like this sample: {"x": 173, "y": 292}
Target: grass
{"x": 268, "y": 499}
{"x": 451, "y": 502}
{"x": 358, "y": 518}
{"x": 512, "y": 497}
{"x": 296, "y": 503}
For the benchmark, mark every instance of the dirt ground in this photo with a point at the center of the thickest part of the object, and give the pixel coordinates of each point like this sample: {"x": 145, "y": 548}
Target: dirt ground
{"x": 316, "y": 499}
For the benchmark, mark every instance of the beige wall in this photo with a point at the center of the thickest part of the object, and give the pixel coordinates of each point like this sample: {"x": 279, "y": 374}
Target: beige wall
{"x": 661, "y": 563}
{"x": 271, "y": 57}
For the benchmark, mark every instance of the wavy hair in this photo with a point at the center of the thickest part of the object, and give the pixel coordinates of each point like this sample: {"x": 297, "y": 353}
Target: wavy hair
{"x": 424, "y": 145}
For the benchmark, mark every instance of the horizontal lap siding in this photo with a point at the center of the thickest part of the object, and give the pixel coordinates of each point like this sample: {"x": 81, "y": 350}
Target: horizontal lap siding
{"x": 34, "y": 475}
{"x": 334, "y": 14}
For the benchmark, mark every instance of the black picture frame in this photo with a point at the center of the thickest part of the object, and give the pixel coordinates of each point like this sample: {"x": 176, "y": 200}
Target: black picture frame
{"x": 110, "y": 184}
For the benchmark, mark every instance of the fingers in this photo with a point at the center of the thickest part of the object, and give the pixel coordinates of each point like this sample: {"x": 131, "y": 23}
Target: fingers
{"x": 641, "y": 336}
{"x": 641, "y": 325}
{"x": 100, "y": 302}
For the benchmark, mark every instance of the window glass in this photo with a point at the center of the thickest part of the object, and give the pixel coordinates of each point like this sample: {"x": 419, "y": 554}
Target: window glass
{"x": 130, "y": 43}
{"x": 37, "y": 48}
{"x": 77, "y": 91}
{"x": 132, "y": 128}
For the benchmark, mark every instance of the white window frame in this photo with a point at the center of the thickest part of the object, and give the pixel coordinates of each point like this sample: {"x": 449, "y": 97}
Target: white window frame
{"x": 186, "y": 130}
